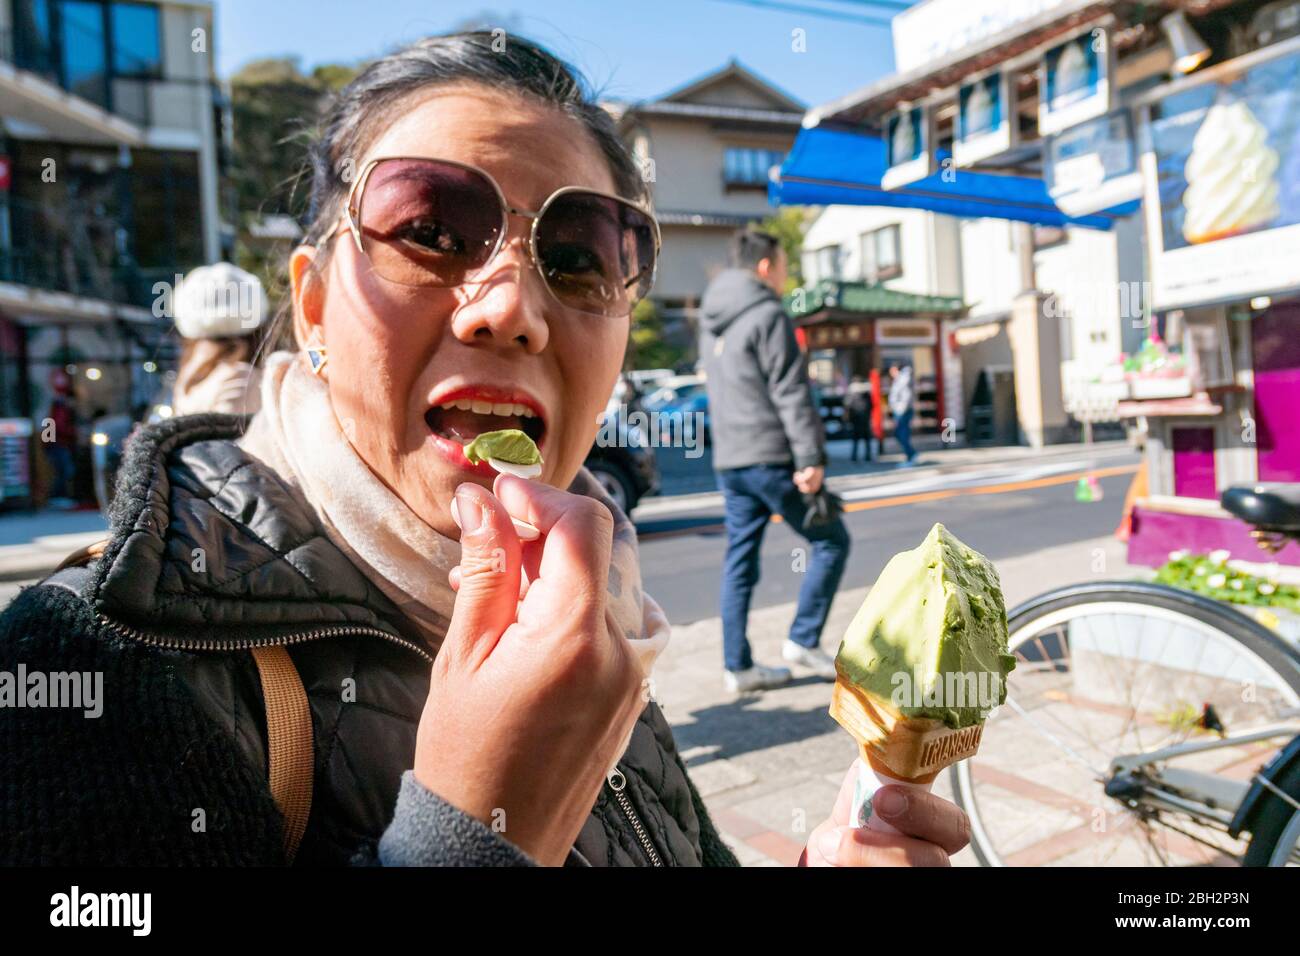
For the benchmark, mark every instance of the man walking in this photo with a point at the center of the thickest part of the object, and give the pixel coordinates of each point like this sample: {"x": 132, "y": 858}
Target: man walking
{"x": 769, "y": 453}
{"x": 900, "y": 406}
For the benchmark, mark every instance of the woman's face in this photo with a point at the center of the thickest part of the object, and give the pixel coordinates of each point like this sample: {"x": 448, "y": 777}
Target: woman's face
{"x": 397, "y": 353}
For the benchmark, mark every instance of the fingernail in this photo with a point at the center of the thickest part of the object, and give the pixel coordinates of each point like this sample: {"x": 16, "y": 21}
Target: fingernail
{"x": 828, "y": 844}
{"x": 889, "y": 802}
{"x": 525, "y": 531}
{"x": 468, "y": 516}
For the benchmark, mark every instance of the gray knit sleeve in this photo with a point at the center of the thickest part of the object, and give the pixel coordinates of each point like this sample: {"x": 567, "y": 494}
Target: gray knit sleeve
{"x": 428, "y": 831}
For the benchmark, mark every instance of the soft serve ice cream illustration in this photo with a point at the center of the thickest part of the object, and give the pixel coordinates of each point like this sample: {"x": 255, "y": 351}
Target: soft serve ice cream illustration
{"x": 1071, "y": 76}
{"x": 1231, "y": 181}
{"x": 903, "y": 145}
{"x": 979, "y": 111}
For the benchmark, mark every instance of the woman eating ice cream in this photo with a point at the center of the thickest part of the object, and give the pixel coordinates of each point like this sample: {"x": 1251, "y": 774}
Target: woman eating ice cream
{"x": 326, "y": 636}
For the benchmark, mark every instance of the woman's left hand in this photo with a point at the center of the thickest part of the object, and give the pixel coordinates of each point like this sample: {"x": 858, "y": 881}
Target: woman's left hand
{"x": 932, "y": 830}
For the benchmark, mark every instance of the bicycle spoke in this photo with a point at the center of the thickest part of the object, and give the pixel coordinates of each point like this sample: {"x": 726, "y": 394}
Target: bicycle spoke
{"x": 1065, "y": 748}
{"x": 1107, "y": 675}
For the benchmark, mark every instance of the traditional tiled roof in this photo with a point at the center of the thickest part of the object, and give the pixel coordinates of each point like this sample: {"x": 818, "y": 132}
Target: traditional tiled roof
{"x": 863, "y": 298}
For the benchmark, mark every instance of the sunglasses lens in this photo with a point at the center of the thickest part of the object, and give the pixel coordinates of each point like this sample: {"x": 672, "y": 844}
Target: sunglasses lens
{"x": 596, "y": 253}
{"x": 428, "y": 223}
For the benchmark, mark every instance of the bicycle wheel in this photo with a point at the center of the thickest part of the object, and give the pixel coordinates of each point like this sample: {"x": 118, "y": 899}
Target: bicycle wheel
{"x": 1112, "y": 669}
{"x": 1276, "y": 840}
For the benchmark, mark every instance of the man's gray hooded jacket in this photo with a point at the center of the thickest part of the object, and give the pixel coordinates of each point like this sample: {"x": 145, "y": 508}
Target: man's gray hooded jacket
{"x": 760, "y": 407}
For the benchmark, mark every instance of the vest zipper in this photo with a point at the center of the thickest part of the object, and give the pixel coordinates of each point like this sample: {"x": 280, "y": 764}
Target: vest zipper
{"x": 300, "y": 637}
{"x": 617, "y": 783}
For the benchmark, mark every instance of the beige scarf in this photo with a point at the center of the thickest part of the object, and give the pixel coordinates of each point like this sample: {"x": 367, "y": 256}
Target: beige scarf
{"x": 297, "y": 434}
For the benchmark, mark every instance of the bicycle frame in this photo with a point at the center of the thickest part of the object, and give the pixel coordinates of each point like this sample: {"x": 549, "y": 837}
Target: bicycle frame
{"x": 1209, "y": 798}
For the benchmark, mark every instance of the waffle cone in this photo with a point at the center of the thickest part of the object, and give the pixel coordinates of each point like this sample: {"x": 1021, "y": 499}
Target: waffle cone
{"x": 908, "y": 748}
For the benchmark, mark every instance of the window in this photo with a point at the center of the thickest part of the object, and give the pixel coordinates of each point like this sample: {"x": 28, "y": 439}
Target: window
{"x": 83, "y": 45}
{"x": 34, "y": 38}
{"x": 137, "y": 50}
{"x": 828, "y": 263}
{"x": 168, "y": 232}
{"x": 749, "y": 167}
{"x": 82, "y": 36}
{"x": 882, "y": 254}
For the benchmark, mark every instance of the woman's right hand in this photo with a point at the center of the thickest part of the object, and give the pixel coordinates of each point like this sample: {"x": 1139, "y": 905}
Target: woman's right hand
{"x": 530, "y": 697}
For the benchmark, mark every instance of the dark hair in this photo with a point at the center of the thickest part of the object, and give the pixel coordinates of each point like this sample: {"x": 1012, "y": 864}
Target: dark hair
{"x": 354, "y": 116}
{"x": 507, "y": 63}
{"x": 751, "y": 246}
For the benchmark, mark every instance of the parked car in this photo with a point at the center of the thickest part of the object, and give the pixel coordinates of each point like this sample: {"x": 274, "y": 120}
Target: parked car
{"x": 106, "y": 443}
{"x": 648, "y": 379}
{"x": 673, "y": 391}
{"x": 684, "y": 418}
{"x": 626, "y": 467}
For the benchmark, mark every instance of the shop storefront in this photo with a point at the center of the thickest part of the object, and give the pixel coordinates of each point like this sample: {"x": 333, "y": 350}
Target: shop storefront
{"x": 1217, "y": 396}
{"x": 851, "y": 330}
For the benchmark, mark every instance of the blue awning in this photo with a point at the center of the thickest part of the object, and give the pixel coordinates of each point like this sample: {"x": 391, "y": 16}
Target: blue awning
{"x": 838, "y": 167}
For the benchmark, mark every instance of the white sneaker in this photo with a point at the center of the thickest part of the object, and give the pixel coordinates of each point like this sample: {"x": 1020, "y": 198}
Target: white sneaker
{"x": 813, "y": 658}
{"x": 757, "y": 677}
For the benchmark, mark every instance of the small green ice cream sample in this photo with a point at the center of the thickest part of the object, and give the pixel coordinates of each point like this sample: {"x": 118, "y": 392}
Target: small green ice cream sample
{"x": 932, "y": 634}
{"x": 508, "y": 447}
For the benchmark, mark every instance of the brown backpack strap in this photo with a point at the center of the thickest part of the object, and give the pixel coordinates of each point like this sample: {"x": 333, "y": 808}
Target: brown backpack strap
{"x": 288, "y": 725}
{"x": 289, "y": 741}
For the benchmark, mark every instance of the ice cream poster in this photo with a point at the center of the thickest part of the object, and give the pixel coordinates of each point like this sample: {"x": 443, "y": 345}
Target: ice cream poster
{"x": 1074, "y": 82}
{"x": 985, "y": 119}
{"x": 908, "y": 139}
{"x": 1226, "y": 159}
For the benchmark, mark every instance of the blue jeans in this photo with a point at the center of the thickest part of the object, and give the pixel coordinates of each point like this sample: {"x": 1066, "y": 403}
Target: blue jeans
{"x": 903, "y": 432}
{"x": 752, "y": 495}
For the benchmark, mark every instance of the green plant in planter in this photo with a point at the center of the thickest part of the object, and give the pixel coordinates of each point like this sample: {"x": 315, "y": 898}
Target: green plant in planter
{"x": 1209, "y": 574}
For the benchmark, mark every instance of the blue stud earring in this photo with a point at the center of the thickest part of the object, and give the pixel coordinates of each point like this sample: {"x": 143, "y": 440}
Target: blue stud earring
{"x": 317, "y": 358}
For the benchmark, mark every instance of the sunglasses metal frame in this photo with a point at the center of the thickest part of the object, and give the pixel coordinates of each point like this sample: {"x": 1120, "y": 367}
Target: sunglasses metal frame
{"x": 352, "y": 211}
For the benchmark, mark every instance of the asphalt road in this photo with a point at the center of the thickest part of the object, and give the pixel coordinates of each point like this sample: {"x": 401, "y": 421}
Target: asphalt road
{"x": 681, "y": 565}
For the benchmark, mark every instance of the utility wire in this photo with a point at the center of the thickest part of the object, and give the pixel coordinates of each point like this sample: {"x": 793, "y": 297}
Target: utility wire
{"x": 812, "y": 12}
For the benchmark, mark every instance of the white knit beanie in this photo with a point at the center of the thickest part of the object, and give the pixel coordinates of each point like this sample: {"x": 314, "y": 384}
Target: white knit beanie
{"x": 218, "y": 301}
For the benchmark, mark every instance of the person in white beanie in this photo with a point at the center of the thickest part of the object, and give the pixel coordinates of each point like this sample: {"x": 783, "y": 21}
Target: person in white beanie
{"x": 220, "y": 311}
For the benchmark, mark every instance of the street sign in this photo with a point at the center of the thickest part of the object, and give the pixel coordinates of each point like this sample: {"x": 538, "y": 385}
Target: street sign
{"x": 1093, "y": 166}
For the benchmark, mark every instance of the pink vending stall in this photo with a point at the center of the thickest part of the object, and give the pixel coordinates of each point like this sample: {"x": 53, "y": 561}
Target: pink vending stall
{"x": 1217, "y": 390}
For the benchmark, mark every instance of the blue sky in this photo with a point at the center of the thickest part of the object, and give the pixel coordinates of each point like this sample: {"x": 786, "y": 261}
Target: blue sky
{"x": 630, "y": 48}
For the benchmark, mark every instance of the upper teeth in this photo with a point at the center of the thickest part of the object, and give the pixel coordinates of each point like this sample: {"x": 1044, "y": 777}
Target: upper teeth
{"x": 480, "y": 407}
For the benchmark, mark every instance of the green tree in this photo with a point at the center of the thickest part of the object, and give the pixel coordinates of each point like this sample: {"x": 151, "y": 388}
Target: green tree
{"x": 789, "y": 223}
{"x": 274, "y": 107}
{"x": 648, "y": 347}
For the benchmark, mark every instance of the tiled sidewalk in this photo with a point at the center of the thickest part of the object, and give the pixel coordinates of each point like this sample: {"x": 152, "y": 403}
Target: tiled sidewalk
{"x": 769, "y": 767}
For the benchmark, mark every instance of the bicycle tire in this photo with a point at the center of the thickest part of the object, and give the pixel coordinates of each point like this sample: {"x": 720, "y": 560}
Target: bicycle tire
{"x": 1276, "y": 653}
{"x": 1272, "y": 819}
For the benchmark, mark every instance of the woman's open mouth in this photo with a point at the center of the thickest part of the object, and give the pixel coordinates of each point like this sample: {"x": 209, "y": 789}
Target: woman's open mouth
{"x": 460, "y": 416}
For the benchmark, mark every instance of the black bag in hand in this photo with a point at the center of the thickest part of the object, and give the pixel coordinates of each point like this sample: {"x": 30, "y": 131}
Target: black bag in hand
{"x": 824, "y": 508}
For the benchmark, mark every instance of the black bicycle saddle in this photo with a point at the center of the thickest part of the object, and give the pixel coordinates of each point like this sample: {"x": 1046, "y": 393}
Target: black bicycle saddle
{"x": 1271, "y": 506}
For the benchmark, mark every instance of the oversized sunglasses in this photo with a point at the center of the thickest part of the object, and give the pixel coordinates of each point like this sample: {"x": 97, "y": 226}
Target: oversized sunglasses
{"x": 434, "y": 223}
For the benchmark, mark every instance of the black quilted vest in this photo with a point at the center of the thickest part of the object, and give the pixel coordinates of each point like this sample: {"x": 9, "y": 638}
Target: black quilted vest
{"x": 268, "y": 573}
